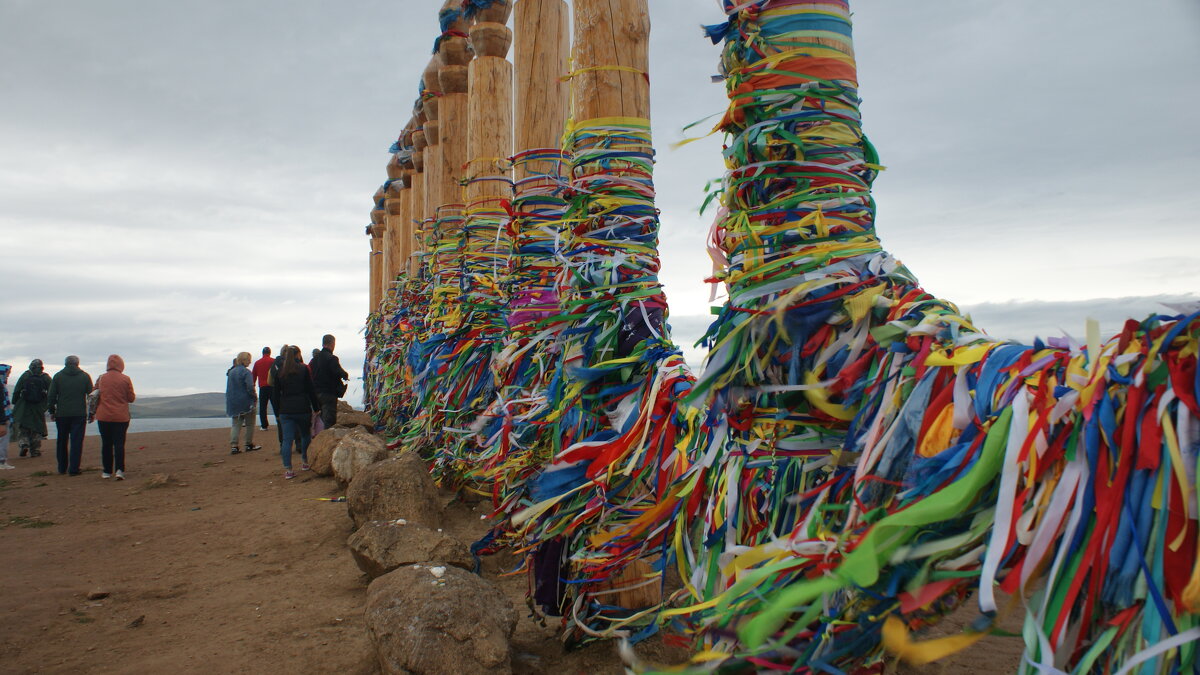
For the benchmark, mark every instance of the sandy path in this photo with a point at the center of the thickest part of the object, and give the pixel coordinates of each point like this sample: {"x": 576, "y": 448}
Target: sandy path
{"x": 232, "y": 568}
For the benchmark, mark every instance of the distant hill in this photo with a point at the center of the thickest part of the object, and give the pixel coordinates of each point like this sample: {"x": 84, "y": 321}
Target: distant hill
{"x": 211, "y": 404}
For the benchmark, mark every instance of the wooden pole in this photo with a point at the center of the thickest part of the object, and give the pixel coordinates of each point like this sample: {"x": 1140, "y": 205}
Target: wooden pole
{"x": 446, "y": 161}
{"x": 489, "y": 179}
{"x": 379, "y": 225}
{"x": 376, "y": 269}
{"x": 540, "y": 56}
{"x": 616, "y": 33}
{"x": 541, "y": 53}
{"x": 416, "y": 208}
{"x": 395, "y": 172}
{"x": 611, "y": 33}
{"x": 392, "y": 200}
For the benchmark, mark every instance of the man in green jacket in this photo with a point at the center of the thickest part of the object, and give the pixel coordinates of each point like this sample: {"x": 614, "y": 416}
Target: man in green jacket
{"x": 30, "y": 401}
{"x": 68, "y": 408}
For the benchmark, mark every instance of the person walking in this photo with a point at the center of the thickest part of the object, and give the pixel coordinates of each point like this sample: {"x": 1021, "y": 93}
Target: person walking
{"x": 262, "y": 376}
{"x": 239, "y": 402}
{"x": 30, "y": 400}
{"x": 5, "y": 416}
{"x": 296, "y": 400}
{"x": 272, "y": 374}
{"x": 68, "y": 408}
{"x": 112, "y": 416}
{"x": 329, "y": 378}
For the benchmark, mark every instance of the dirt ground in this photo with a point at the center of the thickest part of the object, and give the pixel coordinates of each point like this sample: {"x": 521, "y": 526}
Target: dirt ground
{"x": 225, "y": 568}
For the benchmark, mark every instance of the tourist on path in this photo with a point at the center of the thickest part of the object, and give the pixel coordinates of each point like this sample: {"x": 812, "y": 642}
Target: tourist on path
{"x": 112, "y": 416}
{"x": 68, "y": 408}
{"x": 31, "y": 398}
{"x": 262, "y": 376}
{"x": 296, "y": 400}
{"x": 271, "y": 377}
{"x": 239, "y": 402}
{"x": 330, "y": 380}
{"x": 5, "y": 417}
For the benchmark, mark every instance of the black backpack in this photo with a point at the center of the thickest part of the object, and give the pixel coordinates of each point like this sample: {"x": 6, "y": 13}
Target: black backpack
{"x": 32, "y": 391}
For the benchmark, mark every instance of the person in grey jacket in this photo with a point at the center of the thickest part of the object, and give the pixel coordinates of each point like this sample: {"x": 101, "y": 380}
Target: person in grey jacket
{"x": 240, "y": 399}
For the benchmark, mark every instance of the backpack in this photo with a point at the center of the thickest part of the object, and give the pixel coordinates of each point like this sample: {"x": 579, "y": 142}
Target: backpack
{"x": 32, "y": 391}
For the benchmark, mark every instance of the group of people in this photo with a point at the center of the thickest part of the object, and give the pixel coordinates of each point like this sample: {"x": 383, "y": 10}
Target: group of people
{"x": 303, "y": 398}
{"x": 72, "y": 400}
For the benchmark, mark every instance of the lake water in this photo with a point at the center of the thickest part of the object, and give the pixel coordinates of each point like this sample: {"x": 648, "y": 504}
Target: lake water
{"x": 160, "y": 424}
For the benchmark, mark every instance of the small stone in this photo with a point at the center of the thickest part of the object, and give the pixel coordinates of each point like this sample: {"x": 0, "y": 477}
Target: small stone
{"x": 98, "y": 595}
{"x": 136, "y": 622}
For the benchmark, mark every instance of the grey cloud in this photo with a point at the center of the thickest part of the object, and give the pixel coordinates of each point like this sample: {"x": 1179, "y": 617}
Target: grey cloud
{"x": 182, "y": 181}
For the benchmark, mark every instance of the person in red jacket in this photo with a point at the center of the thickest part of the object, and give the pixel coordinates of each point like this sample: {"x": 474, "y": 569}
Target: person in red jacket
{"x": 261, "y": 372}
{"x": 112, "y": 416}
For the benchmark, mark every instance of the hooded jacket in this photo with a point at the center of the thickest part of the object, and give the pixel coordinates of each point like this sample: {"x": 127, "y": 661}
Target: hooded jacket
{"x": 31, "y": 415}
{"x": 68, "y": 392}
{"x": 116, "y": 392}
{"x": 239, "y": 390}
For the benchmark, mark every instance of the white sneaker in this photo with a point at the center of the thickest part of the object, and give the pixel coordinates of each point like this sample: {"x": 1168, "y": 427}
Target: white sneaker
{"x": 106, "y": 475}
{"x": 6, "y": 465}
{"x": 120, "y": 475}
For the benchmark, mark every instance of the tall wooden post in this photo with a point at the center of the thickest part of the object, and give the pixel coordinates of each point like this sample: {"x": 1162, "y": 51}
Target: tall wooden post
{"x": 611, "y": 84}
{"x": 376, "y": 267}
{"x": 612, "y": 33}
{"x": 395, "y": 172}
{"x": 392, "y": 202}
{"x": 379, "y": 225}
{"x": 614, "y": 290}
{"x": 416, "y": 208}
{"x": 540, "y": 57}
{"x": 445, "y": 176}
{"x": 489, "y": 178}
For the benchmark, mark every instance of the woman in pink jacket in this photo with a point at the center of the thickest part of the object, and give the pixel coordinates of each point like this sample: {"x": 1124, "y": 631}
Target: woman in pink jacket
{"x": 112, "y": 415}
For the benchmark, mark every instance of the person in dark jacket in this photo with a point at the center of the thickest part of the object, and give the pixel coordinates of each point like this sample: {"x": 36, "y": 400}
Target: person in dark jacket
{"x": 296, "y": 400}
{"x": 68, "y": 408}
{"x": 30, "y": 401}
{"x": 330, "y": 380}
{"x": 239, "y": 402}
{"x": 272, "y": 374}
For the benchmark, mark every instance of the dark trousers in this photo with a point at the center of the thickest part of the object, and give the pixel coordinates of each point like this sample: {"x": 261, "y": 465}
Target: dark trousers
{"x": 296, "y": 428}
{"x": 70, "y": 429}
{"x": 112, "y": 445}
{"x": 328, "y": 408}
{"x": 264, "y": 398}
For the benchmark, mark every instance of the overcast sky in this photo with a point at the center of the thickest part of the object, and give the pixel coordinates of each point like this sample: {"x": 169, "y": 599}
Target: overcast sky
{"x": 183, "y": 181}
